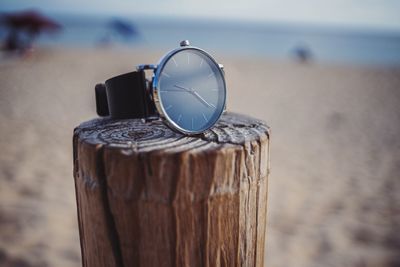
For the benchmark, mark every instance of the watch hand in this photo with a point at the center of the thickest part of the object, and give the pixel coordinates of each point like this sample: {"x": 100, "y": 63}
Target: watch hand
{"x": 202, "y": 99}
{"x": 171, "y": 90}
{"x": 184, "y": 88}
{"x": 195, "y": 94}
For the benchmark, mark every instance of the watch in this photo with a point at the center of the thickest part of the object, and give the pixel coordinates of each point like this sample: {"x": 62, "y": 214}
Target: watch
{"x": 187, "y": 90}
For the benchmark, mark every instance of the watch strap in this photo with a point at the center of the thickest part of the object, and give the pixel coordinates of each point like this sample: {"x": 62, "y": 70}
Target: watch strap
{"x": 124, "y": 97}
{"x": 101, "y": 100}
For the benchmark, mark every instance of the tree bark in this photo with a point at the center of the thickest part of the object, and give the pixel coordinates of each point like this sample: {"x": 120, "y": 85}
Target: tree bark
{"x": 148, "y": 196}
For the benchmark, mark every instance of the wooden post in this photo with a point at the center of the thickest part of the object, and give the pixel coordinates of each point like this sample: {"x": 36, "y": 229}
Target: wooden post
{"x": 148, "y": 196}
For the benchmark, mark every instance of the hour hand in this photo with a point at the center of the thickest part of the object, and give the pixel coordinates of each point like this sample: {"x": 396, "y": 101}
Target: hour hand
{"x": 171, "y": 90}
{"x": 184, "y": 88}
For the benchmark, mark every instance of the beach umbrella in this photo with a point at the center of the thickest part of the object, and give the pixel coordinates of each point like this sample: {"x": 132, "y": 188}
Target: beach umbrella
{"x": 123, "y": 28}
{"x": 30, "y": 21}
{"x": 29, "y": 24}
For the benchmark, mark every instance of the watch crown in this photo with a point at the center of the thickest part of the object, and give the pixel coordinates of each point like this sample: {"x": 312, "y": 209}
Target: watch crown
{"x": 185, "y": 43}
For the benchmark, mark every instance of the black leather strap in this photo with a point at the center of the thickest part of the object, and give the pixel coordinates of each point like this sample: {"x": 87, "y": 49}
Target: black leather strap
{"x": 101, "y": 100}
{"x": 124, "y": 97}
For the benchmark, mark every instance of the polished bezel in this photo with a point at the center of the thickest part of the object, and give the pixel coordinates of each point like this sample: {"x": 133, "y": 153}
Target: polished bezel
{"x": 155, "y": 88}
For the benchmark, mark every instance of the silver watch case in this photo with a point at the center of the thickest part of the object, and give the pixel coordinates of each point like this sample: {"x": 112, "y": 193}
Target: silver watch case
{"x": 155, "y": 89}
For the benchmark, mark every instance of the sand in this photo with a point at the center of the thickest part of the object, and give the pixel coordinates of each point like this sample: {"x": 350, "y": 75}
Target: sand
{"x": 334, "y": 190}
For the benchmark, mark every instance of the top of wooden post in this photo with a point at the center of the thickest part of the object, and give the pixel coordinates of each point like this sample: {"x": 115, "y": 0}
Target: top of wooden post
{"x": 137, "y": 135}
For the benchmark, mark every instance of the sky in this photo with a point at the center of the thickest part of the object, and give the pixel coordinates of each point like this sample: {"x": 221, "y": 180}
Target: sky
{"x": 371, "y": 14}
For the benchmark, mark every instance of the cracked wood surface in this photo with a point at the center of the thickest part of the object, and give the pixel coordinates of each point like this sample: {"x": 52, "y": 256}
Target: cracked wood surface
{"x": 148, "y": 196}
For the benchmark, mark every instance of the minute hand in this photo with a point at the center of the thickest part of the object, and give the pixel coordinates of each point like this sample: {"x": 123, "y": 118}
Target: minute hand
{"x": 193, "y": 92}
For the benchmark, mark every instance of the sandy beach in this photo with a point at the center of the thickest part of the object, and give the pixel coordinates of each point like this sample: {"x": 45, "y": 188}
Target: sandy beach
{"x": 334, "y": 189}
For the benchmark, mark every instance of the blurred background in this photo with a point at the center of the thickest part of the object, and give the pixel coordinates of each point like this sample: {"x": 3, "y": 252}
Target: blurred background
{"x": 324, "y": 75}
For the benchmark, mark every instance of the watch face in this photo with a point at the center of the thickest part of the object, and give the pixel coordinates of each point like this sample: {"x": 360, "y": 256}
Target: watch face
{"x": 191, "y": 90}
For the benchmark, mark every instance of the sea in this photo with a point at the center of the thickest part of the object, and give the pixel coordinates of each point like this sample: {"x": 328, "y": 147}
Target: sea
{"x": 277, "y": 41}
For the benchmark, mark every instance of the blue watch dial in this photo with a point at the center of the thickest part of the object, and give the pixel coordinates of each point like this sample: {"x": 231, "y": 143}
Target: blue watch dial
{"x": 191, "y": 90}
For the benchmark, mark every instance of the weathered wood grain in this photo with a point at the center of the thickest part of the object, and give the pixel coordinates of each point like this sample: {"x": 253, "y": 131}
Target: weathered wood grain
{"x": 148, "y": 196}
